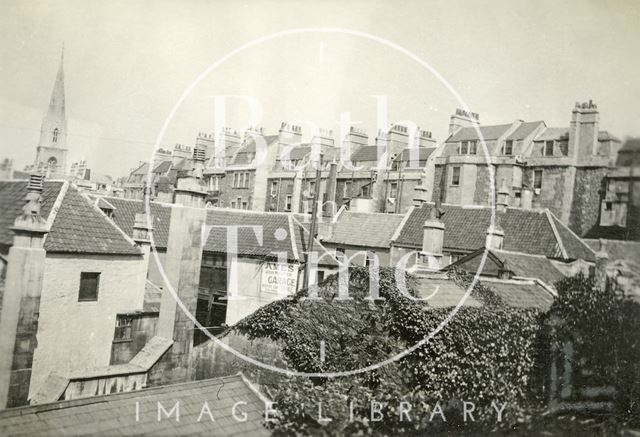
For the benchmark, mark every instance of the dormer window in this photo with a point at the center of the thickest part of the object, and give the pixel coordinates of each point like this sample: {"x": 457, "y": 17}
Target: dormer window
{"x": 508, "y": 147}
{"x": 55, "y": 135}
{"x": 468, "y": 147}
{"x": 548, "y": 148}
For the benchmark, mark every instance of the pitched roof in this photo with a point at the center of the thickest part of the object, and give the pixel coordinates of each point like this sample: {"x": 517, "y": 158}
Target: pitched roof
{"x": 77, "y": 227}
{"x": 520, "y": 294}
{"x": 273, "y": 233}
{"x": 366, "y": 153}
{"x": 125, "y": 212}
{"x": 526, "y": 231}
{"x": 364, "y": 229}
{"x": 442, "y": 292}
{"x": 521, "y": 264}
{"x": 553, "y": 133}
{"x": 163, "y": 167}
{"x": 12, "y": 194}
{"x": 575, "y": 246}
{"x": 632, "y": 145}
{"x": 524, "y": 130}
{"x": 604, "y": 135}
{"x": 618, "y": 250}
{"x": 116, "y": 413}
{"x": 488, "y": 133}
{"x": 423, "y": 153}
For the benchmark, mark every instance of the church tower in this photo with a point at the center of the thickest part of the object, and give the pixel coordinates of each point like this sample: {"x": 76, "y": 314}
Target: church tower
{"x": 51, "y": 157}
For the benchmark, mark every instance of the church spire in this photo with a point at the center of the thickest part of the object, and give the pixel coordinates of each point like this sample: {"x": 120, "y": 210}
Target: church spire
{"x": 53, "y": 135}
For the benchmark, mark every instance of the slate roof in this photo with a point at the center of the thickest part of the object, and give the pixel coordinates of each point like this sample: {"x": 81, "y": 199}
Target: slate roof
{"x": 604, "y": 135}
{"x": 364, "y": 229}
{"x": 78, "y": 226}
{"x": 488, "y": 133}
{"x": 423, "y": 153}
{"x": 270, "y": 225}
{"x": 521, "y": 264}
{"x": 115, "y": 414}
{"x": 618, "y": 250}
{"x": 366, "y": 153}
{"x": 163, "y": 167}
{"x": 520, "y": 294}
{"x": 12, "y": 195}
{"x": 524, "y": 130}
{"x": 125, "y": 212}
{"x": 526, "y": 231}
{"x": 553, "y": 133}
{"x": 575, "y": 246}
{"x": 631, "y": 145}
{"x": 442, "y": 293}
{"x": 141, "y": 170}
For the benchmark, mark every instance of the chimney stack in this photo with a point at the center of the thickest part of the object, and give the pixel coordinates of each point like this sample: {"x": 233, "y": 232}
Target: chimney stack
{"x": 503, "y": 198}
{"x": 602, "y": 261}
{"x": 420, "y": 196}
{"x": 433, "y": 239}
{"x": 21, "y": 301}
{"x": 526, "y": 198}
{"x": 461, "y": 119}
{"x": 583, "y": 131}
{"x": 495, "y": 234}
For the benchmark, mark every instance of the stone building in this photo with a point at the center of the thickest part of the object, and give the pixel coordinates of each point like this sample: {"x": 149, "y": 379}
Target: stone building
{"x": 69, "y": 273}
{"x": 51, "y": 156}
{"x": 620, "y": 197}
{"x": 556, "y": 168}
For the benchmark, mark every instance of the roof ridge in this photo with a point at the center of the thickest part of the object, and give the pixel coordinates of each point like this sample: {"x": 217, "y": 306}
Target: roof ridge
{"x": 556, "y": 234}
{"x": 556, "y": 219}
{"x": 107, "y": 218}
{"x": 53, "y": 213}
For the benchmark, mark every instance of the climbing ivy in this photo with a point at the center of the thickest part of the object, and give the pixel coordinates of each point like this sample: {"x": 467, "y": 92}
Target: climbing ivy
{"x": 483, "y": 355}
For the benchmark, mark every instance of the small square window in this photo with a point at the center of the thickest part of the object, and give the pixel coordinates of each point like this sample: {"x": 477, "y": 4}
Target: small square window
{"x": 608, "y": 206}
{"x": 89, "y": 284}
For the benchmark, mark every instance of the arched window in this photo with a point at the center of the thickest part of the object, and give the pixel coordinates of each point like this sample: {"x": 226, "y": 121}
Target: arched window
{"x": 55, "y": 135}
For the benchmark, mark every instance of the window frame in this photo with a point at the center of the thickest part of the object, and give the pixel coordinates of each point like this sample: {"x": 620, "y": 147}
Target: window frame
{"x": 455, "y": 181}
{"x": 508, "y": 148}
{"x": 537, "y": 186}
{"x": 288, "y": 202}
{"x": 127, "y": 329}
{"x": 84, "y": 276}
{"x": 545, "y": 151}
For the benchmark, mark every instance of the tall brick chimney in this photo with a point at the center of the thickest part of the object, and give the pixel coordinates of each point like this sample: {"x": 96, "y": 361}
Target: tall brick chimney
{"x": 461, "y": 119}
{"x": 142, "y": 229}
{"x": 433, "y": 239}
{"x": 583, "y": 131}
{"x": 289, "y": 135}
{"x": 21, "y": 302}
{"x": 502, "y": 200}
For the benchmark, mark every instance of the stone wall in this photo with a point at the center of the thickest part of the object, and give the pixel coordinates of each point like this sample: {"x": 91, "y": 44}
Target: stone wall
{"x": 210, "y": 360}
{"x": 588, "y": 190}
{"x": 143, "y": 328}
{"x": 74, "y": 336}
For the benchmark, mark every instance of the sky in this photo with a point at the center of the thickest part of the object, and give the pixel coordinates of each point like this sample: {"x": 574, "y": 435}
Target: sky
{"x": 128, "y": 63}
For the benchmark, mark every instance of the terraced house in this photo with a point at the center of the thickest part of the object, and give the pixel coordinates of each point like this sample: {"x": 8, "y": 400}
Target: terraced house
{"x": 559, "y": 168}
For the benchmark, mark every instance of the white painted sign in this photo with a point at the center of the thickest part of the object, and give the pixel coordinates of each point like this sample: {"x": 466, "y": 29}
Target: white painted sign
{"x": 279, "y": 278}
